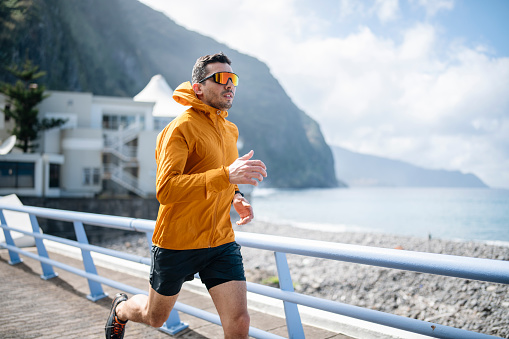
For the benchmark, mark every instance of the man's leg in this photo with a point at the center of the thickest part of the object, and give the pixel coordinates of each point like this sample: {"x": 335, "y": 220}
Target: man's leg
{"x": 153, "y": 310}
{"x": 231, "y": 303}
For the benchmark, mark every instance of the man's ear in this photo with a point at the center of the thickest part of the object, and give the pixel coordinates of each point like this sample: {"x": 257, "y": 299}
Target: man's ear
{"x": 197, "y": 89}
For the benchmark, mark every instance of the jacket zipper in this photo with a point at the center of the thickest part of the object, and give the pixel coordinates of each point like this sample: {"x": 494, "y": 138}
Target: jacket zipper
{"x": 216, "y": 124}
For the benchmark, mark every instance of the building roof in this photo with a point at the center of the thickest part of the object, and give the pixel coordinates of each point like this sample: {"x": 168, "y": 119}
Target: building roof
{"x": 158, "y": 91}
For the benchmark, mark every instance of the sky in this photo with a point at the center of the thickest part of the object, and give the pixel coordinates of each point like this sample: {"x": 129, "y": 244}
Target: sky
{"x": 422, "y": 81}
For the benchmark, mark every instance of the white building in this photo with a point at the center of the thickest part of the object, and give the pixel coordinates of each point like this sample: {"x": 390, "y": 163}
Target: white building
{"x": 105, "y": 147}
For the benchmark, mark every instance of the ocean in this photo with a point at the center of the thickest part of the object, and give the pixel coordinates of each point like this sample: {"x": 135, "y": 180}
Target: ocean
{"x": 446, "y": 213}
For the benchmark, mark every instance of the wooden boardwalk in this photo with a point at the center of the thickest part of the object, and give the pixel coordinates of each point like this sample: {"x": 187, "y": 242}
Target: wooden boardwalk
{"x": 31, "y": 307}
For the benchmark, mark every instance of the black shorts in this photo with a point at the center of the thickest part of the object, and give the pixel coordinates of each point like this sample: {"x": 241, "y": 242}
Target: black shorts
{"x": 216, "y": 265}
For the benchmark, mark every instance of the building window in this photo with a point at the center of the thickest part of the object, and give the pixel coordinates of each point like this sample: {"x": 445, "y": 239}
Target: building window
{"x": 7, "y": 117}
{"x": 54, "y": 175}
{"x": 115, "y": 121}
{"x": 91, "y": 176}
{"x": 96, "y": 176}
{"x": 17, "y": 174}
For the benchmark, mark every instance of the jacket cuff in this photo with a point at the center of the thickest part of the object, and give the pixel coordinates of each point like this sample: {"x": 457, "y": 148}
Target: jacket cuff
{"x": 217, "y": 180}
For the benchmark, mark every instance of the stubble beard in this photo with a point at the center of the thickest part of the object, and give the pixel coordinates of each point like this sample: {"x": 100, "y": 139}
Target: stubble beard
{"x": 225, "y": 106}
{"x": 222, "y": 105}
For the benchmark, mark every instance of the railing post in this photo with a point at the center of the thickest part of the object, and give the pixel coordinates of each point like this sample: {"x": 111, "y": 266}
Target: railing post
{"x": 47, "y": 270}
{"x": 14, "y": 257}
{"x": 149, "y": 240}
{"x": 96, "y": 290}
{"x": 293, "y": 321}
{"x": 173, "y": 325}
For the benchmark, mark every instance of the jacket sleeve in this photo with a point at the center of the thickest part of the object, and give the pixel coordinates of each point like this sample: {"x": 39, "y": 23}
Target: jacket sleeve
{"x": 172, "y": 186}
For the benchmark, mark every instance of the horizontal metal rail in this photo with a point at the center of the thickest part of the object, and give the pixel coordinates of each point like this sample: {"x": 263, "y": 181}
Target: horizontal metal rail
{"x": 440, "y": 264}
{"x": 455, "y": 266}
{"x": 88, "y": 247}
{"x": 104, "y": 220}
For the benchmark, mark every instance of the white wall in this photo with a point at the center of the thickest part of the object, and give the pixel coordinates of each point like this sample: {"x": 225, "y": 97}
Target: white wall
{"x": 2, "y": 115}
{"x": 68, "y": 103}
{"x": 51, "y": 141}
{"x": 147, "y": 161}
{"x": 5, "y": 127}
{"x": 82, "y": 148}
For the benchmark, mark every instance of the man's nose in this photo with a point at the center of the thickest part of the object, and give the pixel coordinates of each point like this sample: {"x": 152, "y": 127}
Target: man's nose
{"x": 229, "y": 83}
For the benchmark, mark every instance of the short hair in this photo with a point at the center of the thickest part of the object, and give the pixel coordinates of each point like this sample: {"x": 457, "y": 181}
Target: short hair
{"x": 200, "y": 67}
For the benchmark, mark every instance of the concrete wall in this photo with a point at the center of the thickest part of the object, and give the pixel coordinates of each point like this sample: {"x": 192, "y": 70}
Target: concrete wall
{"x": 5, "y": 126}
{"x": 147, "y": 161}
{"x": 82, "y": 149}
{"x": 2, "y": 115}
{"x": 73, "y": 105}
{"x": 51, "y": 141}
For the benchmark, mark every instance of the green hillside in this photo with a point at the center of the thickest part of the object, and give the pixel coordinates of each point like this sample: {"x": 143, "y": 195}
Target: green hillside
{"x": 114, "y": 47}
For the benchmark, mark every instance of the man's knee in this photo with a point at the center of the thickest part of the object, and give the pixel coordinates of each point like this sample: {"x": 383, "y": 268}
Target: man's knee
{"x": 239, "y": 326}
{"x": 158, "y": 308}
{"x": 157, "y": 319}
{"x": 244, "y": 322}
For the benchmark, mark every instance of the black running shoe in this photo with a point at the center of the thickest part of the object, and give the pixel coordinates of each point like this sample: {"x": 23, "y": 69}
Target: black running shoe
{"x": 114, "y": 327}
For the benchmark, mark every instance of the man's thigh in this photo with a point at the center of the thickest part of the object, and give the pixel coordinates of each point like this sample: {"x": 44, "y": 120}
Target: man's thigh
{"x": 230, "y": 299}
{"x": 159, "y": 306}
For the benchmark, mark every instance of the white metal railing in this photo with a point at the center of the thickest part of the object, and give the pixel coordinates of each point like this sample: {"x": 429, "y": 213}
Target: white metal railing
{"x": 463, "y": 267}
{"x": 125, "y": 153}
{"x": 115, "y": 138}
{"x": 115, "y": 142}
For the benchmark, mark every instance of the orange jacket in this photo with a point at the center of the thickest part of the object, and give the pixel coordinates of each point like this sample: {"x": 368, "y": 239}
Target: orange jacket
{"x": 192, "y": 185}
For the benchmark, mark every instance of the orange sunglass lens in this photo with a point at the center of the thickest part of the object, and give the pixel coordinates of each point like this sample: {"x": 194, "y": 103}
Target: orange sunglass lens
{"x": 223, "y": 77}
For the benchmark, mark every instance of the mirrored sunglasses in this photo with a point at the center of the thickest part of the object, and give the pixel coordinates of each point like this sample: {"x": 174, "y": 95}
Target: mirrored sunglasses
{"x": 223, "y": 77}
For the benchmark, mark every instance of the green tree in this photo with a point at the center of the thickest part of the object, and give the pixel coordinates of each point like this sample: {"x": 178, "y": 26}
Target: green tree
{"x": 11, "y": 13}
{"x": 12, "y": 18}
{"x": 22, "y": 100}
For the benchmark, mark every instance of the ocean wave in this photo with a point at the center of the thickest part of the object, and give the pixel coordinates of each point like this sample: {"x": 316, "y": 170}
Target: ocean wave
{"x": 322, "y": 227}
{"x": 497, "y": 243}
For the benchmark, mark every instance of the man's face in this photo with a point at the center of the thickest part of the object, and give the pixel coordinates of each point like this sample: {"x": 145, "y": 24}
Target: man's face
{"x": 214, "y": 94}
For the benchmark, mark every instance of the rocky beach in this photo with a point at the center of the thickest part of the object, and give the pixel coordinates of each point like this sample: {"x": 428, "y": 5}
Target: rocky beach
{"x": 467, "y": 304}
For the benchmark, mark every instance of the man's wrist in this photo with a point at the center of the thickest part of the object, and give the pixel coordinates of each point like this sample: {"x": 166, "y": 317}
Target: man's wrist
{"x": 237, "y": 192}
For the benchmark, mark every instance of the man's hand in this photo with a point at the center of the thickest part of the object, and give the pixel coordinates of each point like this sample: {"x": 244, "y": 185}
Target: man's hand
{"x": 245, "y": 171}
{"x": 243, "y": 208}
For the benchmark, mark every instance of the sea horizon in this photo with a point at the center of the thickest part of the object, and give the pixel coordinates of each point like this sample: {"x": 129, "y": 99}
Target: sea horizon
{"x": 458, "y": 214}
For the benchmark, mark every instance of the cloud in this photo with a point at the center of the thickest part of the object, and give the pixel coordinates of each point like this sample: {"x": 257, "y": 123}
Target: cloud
{"x": 387, "y": 10}
{"x": 408, "y": 93}
{"x": 407, "y": 103}
{"x": 432, "y": 7}
{"x": 384, "y": 10}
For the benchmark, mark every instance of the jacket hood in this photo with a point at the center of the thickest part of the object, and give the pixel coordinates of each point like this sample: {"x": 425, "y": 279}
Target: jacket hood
{"x": 184, "y": 95}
